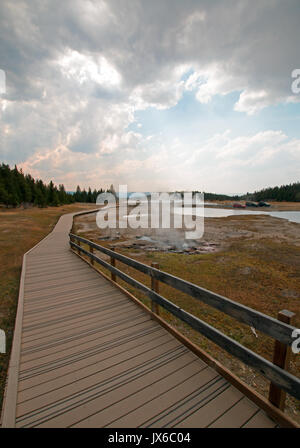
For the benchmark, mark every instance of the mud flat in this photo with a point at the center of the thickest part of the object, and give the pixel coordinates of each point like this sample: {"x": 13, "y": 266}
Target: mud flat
{"x": 219, "y": 233}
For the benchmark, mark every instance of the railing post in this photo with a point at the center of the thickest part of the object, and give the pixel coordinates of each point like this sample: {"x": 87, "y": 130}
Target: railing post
{"x": 154, "y": 287}
{"x": 78, "y": 250}
{"x": 281, "y": 357}
{"x": 113, "y": 263}
{"x": 91, "y": 251}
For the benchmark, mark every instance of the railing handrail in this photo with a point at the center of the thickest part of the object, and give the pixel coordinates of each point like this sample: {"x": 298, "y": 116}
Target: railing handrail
{"x": 260, "y": 321}
{"x": 278, "y": 376}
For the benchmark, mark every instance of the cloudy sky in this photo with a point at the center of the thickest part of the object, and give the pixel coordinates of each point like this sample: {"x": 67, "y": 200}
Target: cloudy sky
{"x": 158, "y": 95}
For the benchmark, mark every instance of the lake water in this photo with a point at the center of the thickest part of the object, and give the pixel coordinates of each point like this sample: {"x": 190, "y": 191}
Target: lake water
{"x": 211, "y": 212}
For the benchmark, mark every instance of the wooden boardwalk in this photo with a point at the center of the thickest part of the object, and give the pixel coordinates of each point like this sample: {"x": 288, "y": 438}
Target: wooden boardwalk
{"x": 85, "y": 355}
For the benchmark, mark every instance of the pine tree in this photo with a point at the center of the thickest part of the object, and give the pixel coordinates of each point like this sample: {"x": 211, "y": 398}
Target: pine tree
{"x": 50, "y": 195}
{"x": 77, "y": 195}
{"x": 89, "y": 196}
{"x": 16, "y": 188}
{"x": 55, "y": 199}
{"x": 62, "y": 195}
{"x": 40, "y": 198}
{"x": 4, "y": 196}
{"x": 84, "y": 196}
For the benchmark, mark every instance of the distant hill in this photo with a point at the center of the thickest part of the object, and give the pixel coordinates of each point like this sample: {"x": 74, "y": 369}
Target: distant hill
{"x": 220, "y": 197}
{"x": 289, "y": 193}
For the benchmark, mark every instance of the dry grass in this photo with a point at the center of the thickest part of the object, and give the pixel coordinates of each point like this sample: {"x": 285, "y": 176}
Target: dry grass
{"x": 261, "y": 274}
{"x": 20, "y": 229}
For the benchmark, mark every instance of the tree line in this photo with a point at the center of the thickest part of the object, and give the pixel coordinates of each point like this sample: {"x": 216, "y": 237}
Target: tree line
{"x": 90, "y": 196}
{"x": 289, "y": 193}
{"x": 86, "y": 196}
{"x": 17, "y": 188}
{"x": 220, "y": 197}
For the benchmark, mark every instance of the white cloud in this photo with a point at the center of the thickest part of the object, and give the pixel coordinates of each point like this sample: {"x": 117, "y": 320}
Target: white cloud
{"x": 77, "y": 72}
{"x": 265, "y": 158}
{"x": 84, "y": 69}
{"x": 247, "y": 162}
{"x": 213, "y": 80}
{"x": 253, "y": 101}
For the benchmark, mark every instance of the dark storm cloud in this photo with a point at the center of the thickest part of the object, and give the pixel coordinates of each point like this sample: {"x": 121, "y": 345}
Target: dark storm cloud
{"x": 78, "y": 70}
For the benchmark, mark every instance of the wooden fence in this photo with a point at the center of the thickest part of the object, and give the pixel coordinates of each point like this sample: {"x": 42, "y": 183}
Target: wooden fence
{"x": 280, "y": 329}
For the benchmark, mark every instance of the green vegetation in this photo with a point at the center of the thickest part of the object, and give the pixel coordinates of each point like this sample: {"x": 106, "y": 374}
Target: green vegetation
{"x": 16, "y": 188}
{"x": 90, "y": 196}
{"x": 220, "y": 197}
{"x": 289, "y": 193}
{"x": 215, "y": 196}
{"x": 86, "y": 196}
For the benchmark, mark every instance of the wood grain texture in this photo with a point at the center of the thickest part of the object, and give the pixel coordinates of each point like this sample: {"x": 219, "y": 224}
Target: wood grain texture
{"x": 267, "y": 324}
{"x": 278, "y": 376}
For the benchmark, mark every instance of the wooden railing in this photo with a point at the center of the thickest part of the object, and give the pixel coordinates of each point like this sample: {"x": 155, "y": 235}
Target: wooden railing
{"x": 280, "y": 329}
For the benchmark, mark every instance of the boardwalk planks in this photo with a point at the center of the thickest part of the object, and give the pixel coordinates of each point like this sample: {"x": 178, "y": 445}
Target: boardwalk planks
{"x": 84, "y": 354}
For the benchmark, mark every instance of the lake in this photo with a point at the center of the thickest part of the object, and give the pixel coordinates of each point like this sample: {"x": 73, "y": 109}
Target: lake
{"x": 211, "y": 212}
